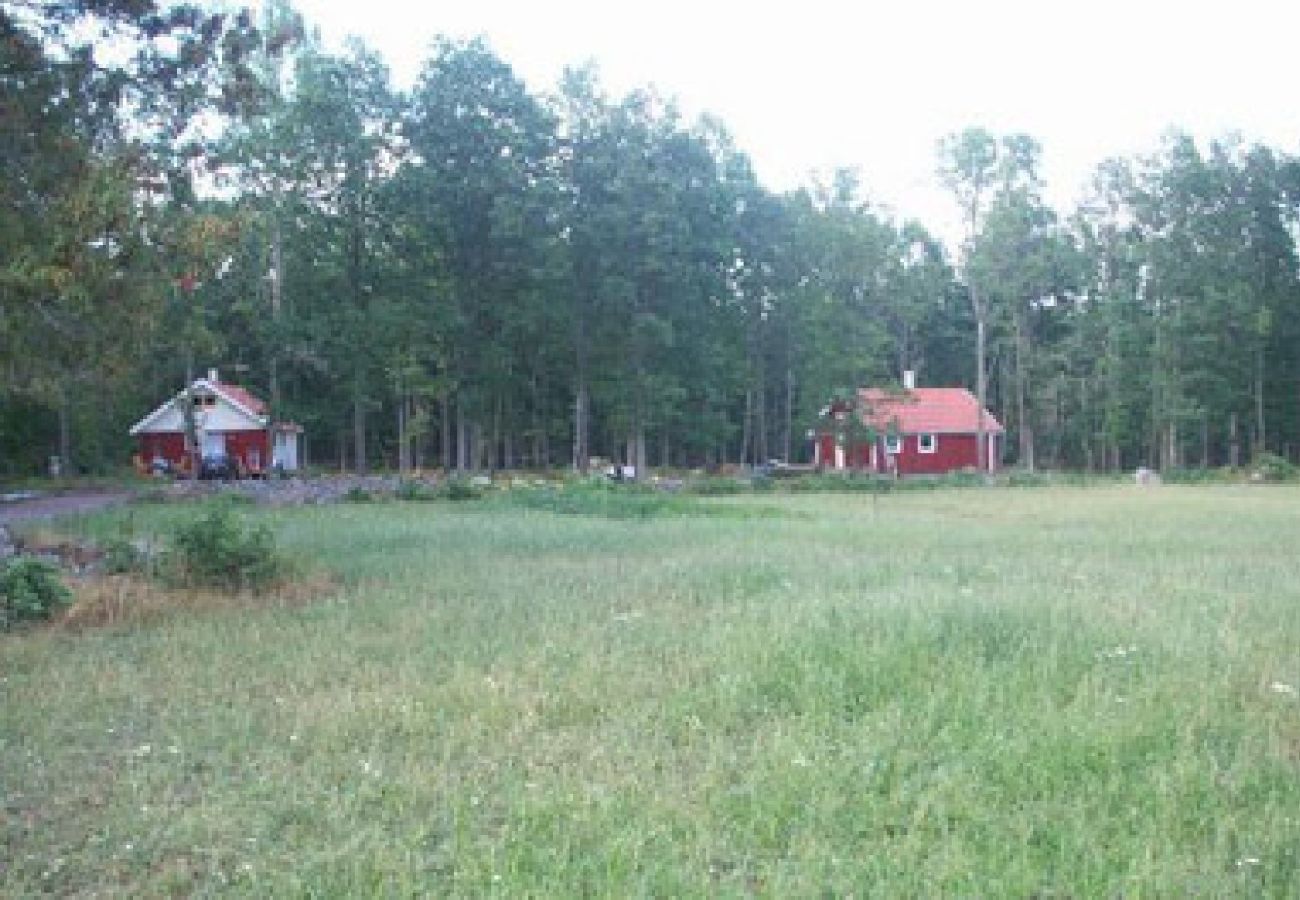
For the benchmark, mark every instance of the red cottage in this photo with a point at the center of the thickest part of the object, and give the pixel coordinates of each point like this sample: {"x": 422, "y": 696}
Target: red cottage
{"x": 228, "y": 421}
{"x": 918, "y": 431}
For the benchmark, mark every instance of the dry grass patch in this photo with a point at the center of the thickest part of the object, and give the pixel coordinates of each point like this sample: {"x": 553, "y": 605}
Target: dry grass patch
{"x": 130, "y": 599}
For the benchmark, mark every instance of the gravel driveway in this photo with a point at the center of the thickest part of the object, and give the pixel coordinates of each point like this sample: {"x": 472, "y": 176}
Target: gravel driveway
{"x": 58, "y": 505}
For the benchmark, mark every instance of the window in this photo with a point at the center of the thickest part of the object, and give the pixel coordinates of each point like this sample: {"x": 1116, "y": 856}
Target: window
{"x": 927, "y": 443}
{"x": 894, "y": 444}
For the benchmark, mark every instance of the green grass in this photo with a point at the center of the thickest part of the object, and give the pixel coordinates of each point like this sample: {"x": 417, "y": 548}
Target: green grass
{"x": 1061, "y": 692}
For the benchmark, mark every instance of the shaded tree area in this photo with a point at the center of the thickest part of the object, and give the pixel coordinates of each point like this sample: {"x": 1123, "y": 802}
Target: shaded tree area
{"x": 475, "y": 276}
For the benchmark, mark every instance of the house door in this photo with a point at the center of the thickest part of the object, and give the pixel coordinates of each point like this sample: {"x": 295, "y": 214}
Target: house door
{"x": 214, "y": 443}
{"x": 286, "y": 451}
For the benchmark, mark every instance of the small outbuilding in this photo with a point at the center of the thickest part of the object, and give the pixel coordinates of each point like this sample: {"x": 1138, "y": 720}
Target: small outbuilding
{"x": 229, "y": 422}
{"x": 908, "y": 431}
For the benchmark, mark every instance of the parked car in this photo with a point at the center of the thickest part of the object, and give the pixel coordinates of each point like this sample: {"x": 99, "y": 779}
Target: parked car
{"x": 219, "y": 467}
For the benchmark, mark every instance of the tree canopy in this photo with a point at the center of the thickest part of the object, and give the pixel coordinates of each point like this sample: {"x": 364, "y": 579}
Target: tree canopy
{"x": 475, "y": 275}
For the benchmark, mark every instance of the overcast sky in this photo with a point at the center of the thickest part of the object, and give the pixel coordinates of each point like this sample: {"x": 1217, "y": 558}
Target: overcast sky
{"x": 812, "y": 85}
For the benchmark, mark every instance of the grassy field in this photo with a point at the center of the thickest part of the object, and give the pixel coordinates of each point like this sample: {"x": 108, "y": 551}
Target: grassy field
{"x": 1052, "y": 692}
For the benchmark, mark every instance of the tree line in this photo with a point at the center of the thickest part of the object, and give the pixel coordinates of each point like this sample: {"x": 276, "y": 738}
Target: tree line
{"x": 473, "y": 275}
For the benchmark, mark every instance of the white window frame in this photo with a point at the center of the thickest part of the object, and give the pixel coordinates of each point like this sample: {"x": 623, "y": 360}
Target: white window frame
{"x": 921, "y": 443}
{"x": 893, "y": 444}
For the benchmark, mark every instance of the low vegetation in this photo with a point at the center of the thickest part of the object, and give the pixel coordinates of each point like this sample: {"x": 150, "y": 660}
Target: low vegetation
{"x": 1052, "y": 692}
{"x": 30, "y": 590}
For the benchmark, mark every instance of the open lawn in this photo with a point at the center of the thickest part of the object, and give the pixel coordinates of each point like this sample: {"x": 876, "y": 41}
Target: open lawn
{"x": 1083, "y": 692}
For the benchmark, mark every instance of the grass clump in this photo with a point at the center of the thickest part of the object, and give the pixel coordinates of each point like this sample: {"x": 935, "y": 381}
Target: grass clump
{"x": 220, "y": 550}
{"x": 30, "y": 590}
{"x": 716, "y": 487}
{"x": 605, "y": 499}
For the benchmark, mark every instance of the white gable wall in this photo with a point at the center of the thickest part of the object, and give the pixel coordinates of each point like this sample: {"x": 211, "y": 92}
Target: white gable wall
{"x": 222, "y": 416}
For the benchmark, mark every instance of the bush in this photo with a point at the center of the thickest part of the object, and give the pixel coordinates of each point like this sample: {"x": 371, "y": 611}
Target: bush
{"x": 218, "y": 550}
{"x": 414, "y": 490}
{"x": 838, "y": 482}
{"x": 122, "y": 556}
{"x": 30, "y": 589}
{"x": 358, "y": 494}
{"x": 1271, "y": 467}
{"x": 459, "y": 489}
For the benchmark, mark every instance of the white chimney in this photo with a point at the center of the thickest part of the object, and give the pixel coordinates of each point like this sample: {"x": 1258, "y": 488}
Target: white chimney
{"x": 909, "y": 380}
{"x": 212, "y": 376}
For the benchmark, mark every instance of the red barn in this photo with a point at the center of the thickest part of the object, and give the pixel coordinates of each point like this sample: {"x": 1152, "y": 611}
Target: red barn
{"x": 917, "y": 431}
{"x": 228, "y": 421}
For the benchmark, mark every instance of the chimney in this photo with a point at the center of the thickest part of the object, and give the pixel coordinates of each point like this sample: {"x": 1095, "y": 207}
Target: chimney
{"x": 212, "y": 376}
{"x": 909, "y": 380}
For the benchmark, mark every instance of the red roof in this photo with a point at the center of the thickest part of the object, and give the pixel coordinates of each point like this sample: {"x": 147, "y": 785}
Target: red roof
{"x": 242, "y": 397}
{"x": 925, "y": 411}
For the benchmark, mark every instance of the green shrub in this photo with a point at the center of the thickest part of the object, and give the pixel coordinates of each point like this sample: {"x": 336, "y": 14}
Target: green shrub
{"x": 1271, "y": 467}
{"x": 218, "y": 550}
{"x": 414, "y": 490}
{"x": 838, "y": 482}
{"x": 459, "y": 489}
{"x": 358, "y": 494}
{"x": 30, "y": 589}
{"x": 122, "y": 556}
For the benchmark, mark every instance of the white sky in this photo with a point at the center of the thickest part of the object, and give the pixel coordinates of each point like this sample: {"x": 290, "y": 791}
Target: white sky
{"x": 812, "y": 85}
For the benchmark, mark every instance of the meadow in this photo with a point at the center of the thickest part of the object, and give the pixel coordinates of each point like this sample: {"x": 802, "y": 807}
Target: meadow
{"x": 1084, "y": 691}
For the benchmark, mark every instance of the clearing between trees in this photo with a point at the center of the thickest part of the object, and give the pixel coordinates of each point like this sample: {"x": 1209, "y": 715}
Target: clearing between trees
{"x": 1082, "y": 691}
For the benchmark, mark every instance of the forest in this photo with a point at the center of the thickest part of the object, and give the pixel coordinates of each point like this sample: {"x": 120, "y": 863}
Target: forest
{"x": 474, "y": 275}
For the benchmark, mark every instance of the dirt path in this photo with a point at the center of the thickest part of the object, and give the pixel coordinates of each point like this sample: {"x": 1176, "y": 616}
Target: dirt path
{"x": 58, "y": 505}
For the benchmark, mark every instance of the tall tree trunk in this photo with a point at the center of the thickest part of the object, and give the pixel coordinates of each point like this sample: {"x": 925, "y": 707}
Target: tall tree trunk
{"x": 581, "y": 396}
{"x": 494, "y": 452}
{"x": 746, "y": 428}
{"x": 1234, "y": 442}
{"x": 403, "y": 440}
{"x": 639, "y": 452}
{"x": 419, "y": 444}
{"x": 462, "y": 437}
{"x": 981, "y": 382}
{"x": 1025, "y": 428}
{"x": 581, "y": 451}
{"x": 277, "y": 263}
{"x": 1261, "y": 443}
{"x": 445, "y": 426}
{"x": 359, "y": 424}
{"x": 65, "y": 434}
{"x": 788, "y": 427}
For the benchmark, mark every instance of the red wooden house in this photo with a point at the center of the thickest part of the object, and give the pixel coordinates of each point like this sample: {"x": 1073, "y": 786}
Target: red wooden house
{"x": 229, "y": 421}
{"x": 912, "y": 431}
